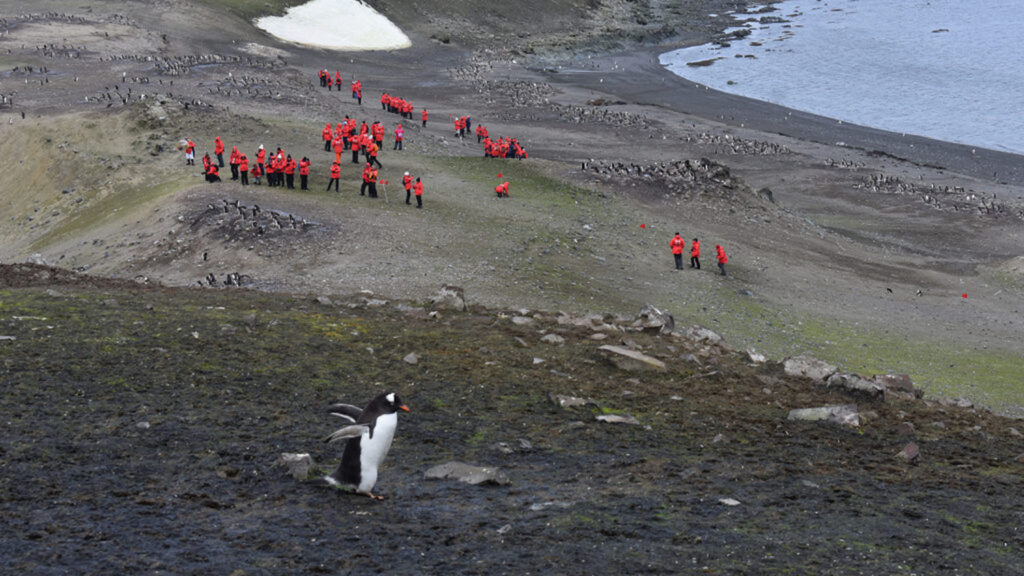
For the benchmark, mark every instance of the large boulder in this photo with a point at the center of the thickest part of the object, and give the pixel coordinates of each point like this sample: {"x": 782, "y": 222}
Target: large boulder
{"x": 808, "y": 367}
{"x": 651, "y": 319}
{"x": 630, "y": 360}
{"x": 845, "y": 415}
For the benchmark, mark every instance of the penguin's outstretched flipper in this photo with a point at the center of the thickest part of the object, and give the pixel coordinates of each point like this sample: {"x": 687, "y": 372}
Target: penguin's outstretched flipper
{"x": 352, "y": 431}
{"x": 346, "y": 411}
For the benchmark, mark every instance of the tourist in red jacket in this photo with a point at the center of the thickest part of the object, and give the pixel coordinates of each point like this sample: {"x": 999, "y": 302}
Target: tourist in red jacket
{"x": 243, "y": 169}
{"x": 261, "y": 160}
{"x": 695, "y": 254}
{"x": 303, "y": 173}
{"x": 399, "y": 137}
{"x": 407, "y": 183}
{"x": 423, "y": 116}
{"x": 677, "y": 244}
{"x": 327, "y": 134}
{"x": 417, "y": 189}
{"x": 722, "y": 258}
{"x": 218, "y": 150}
{"x": 289, "y": 172}
{"x": 233, "y": 162}
{"x": 335, "y": 177}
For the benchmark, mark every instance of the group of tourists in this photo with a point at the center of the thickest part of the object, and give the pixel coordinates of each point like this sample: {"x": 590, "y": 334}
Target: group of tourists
{"x": 678, "y": 245}
{"x": 279, "y": 168}
{"x": 330, "y": 82}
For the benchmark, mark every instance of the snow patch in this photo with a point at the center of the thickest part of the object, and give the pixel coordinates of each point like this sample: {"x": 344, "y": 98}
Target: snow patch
{"x": 336, "y": 25}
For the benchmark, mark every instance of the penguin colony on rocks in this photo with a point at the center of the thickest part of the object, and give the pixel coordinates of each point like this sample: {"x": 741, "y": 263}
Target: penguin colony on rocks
{"x": 369, "y": 435}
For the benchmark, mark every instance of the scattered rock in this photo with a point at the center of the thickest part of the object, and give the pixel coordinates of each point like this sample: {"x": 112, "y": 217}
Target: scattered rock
{"x": 808, "y": 367}
{"x": 467, "y": 473}
{"x": 552, "y": 339}
{"x": 729, "y": 501}
{"x": 411, "y": 358}
{"x": 298, "y": 465}
{"x": 856, "y": 384}
{"x": 449, "y": 298}
{"x": 898, "y": 386}
{"x": 956, "y": 402}
{"x": 845, "y": 414}
{"x": 630, "y": 360}
{"x": 910, "y": 452}
{"x": 617, "y": 419}
{"x": 904, "y": 429}
{"x": 756, "y": 357}
{"x": 324, "y": 300}
{"x": 598, "y": 336}
{"x": 522, "y": 320}
{"x": 700, "y": 335}
{"x": 1014, "y": 432}
{"x": 570, "y": 401}
{"x": 521, "y": 343}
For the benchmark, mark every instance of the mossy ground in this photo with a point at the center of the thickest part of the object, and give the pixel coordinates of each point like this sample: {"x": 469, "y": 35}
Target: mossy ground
{"x": 139, "y": 414}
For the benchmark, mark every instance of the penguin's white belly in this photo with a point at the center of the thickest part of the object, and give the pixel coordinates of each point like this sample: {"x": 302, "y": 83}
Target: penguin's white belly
{"x": 372, "y": 450}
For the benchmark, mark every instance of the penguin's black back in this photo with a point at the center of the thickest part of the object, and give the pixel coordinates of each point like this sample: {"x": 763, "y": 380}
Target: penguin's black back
{"x": 350, "y": 469}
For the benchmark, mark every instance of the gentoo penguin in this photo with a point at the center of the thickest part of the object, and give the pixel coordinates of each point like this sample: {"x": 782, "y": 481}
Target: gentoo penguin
{"x": 369, "y": 438}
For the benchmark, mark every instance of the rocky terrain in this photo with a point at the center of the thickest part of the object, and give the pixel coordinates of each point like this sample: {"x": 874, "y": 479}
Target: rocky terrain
{"x": 149, "y": 430}
{"x": 165, "y": 340}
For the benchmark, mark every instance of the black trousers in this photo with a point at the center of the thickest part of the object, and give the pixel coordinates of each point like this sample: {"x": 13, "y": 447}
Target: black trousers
{"x": 362, "y": 189}
{"x": 220, "y": 160}
{"x": 408, "y": 195}
{"x": 234, "y": 171}
{"x": 694, "y": 262}
{"x": 419, "y": 201}
{"x": 721, "y": 267}
{"x": 373, "y": 160}
{"x": 303, "y": 181}
{"x": 355, "y": 156}
{"x": 333, "y": 182}
{"x": 291, "y": 180}
{"x": 373, "y": 189}
{"x": 245, "y": 177}
{"x": 327, "y": 145}
{"x": 679, "y": 261}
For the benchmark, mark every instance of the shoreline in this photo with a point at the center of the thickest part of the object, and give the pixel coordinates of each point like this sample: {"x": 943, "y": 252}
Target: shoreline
{"x": 637, "y": 76}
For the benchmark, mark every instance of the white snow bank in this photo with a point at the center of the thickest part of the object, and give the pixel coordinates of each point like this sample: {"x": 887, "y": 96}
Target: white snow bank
{"x": 337, "y": 25}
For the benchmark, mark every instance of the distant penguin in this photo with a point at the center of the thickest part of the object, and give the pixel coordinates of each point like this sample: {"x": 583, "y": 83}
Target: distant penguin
{"x": 369, "y": 438}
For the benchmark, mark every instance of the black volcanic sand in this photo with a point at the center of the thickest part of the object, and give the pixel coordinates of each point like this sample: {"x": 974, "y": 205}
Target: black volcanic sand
{"x": 141, "y": 430}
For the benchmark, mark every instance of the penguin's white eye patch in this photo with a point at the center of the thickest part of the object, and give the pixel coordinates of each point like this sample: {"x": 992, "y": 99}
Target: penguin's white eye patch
{"x": 391, "y": 398}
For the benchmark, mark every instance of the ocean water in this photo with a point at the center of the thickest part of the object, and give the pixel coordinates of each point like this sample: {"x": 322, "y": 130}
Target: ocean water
{"x": 951, "y": 70}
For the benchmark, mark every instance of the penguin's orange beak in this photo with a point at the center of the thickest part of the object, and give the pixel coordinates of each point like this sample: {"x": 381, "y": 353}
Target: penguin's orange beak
{"x": 403, "y": 407}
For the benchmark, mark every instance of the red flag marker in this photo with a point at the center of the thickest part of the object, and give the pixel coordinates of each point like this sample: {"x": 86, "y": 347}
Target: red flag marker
{"x": 964, "y": 295}
{"x": 643, "y": 226}
{"x": 499, "y": 174}
{"x": 385, "y": 182}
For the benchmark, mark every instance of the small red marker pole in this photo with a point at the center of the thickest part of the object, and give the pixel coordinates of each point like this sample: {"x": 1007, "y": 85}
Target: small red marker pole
{"x": 964, "y": 295}
{"x": 643, "y": 226}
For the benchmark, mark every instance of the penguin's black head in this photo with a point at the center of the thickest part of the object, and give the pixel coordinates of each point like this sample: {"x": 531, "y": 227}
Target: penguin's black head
{"x": 390, "y": 403}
